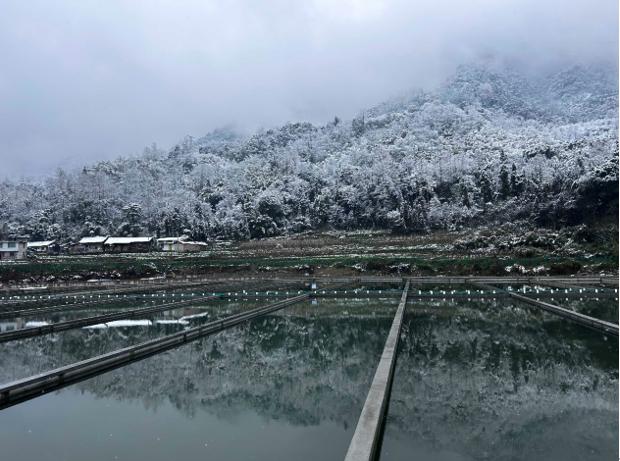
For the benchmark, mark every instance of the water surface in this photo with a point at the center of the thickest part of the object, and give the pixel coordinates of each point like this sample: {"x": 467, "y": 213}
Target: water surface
{"x": 497, "y": 380}
{"x": 286, "y": 386}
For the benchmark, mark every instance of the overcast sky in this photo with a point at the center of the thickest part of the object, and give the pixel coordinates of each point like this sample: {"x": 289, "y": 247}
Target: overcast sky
{"x": 90, "y": 80}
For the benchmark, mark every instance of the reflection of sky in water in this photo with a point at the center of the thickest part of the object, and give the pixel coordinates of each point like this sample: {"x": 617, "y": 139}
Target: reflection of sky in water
{"x": 477, "y": 380}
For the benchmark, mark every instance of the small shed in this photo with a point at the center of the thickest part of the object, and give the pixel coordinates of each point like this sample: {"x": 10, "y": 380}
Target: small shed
{"x": 129, "y": 244}
{"x": 94, "y": 244}
{"x": 180, "y": 244}
{"x": 44, "y": 247}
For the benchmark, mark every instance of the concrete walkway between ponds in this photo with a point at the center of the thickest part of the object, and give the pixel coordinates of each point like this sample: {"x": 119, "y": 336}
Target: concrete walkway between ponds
{"x": 367, "y": 434}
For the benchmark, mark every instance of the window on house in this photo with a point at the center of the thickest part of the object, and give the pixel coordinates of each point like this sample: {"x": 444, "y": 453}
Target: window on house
{"x": 12, "y": 244}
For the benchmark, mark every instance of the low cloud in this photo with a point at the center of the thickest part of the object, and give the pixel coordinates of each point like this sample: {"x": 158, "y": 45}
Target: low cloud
{"x": 88, "y": 80}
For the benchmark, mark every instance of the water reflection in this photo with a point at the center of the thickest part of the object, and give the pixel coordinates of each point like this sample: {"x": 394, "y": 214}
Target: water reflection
{"x": 282, "y": 364}
{"x": 497, "y": 381}
{"x": 474, "y": 380}
{"x": 286, "y": 386}
{"x": 34, "y": 355}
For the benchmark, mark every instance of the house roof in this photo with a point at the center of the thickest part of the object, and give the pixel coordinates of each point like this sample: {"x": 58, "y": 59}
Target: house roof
{"x": 182, "y": 240}
{"x": 187, "y": 242}
{"x": 42, "y": 244}
{"x": 127, "y": 240}
{"x": 95, "y": 239}
{"x": 169, "y": 239}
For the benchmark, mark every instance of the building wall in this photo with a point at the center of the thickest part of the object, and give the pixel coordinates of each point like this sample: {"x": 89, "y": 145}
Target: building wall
{"x": 129, "y": 248}
{"x": 180, "y": 247}
{"x": 39, "y": 249}
{"x": 11, "y": 249}
{"x": 167, "y": 246}
{"x": 192, "y": 247}
{"x": 91, "y": 247}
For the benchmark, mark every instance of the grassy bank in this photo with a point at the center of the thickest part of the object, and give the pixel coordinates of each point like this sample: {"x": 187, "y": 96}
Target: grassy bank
{"x": 326, "y": 254}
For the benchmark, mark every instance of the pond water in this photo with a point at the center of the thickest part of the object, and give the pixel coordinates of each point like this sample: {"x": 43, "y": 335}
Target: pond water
{"x": 286, "y": 386}
{"x": 477, "y": 380}
{"x": 496, "y": 380}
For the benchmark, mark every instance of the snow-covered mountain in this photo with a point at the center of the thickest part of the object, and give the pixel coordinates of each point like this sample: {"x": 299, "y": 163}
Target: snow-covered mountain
{"x": 488, "y": 146}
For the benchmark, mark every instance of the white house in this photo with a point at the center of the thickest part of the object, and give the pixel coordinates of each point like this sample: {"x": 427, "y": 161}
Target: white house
{"x": 129, "y": 244}
{"x": 13, "y": 249}
{"x": 92, "y": 244}
{"x": 46, "y": 246}
{"x": 180, "y": 244}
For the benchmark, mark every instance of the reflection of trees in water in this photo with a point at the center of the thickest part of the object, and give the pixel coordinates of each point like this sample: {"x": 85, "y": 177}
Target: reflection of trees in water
{"x": 304, "y": 370}
{"x": 34, "y": 355}
{"x": 484, "y": 378}
{"x": 23, "y": 358}
{"x": 480, "y": 377}
{"x": 301, "y": 370}
{"x": 601, "y": 308}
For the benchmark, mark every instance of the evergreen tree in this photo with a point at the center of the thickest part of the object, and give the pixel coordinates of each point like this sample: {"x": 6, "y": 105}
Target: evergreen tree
{"x": 504, "y": 183}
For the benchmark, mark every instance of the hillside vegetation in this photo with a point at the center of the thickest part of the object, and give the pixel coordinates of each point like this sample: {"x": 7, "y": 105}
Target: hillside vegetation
{"x": 486, "y": 148}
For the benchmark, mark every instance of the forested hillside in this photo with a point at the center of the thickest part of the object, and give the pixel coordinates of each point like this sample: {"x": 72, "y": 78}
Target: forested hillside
{"x": 487, "y": 147}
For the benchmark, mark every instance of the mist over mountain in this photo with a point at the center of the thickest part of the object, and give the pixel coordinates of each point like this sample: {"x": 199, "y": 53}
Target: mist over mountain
{"x": 490, "y": 145}
{"x": 82, "y": 83}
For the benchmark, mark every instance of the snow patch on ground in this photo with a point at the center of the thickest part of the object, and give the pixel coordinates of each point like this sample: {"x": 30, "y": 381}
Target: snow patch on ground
{"x": 172, "y": 322}
{"x": 120, "y": 323}
{"x": 35, "y": 324}
{"x": 195, "y": 316}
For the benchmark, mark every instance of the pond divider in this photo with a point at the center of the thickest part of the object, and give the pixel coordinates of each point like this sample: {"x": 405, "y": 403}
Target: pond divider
{"x": 585, "y": 320}
{"x": 367, "y": 436}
